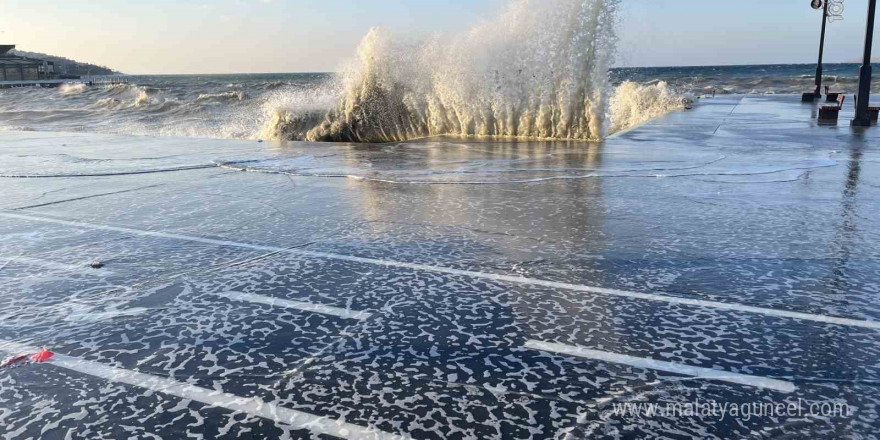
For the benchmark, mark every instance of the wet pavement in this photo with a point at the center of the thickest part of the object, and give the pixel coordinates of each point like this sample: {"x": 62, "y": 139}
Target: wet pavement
{"x": 446, "y": 288}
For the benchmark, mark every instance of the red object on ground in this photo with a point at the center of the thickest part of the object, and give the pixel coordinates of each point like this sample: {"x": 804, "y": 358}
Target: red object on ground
{"x": 23, "y": 359}
{"x": 42, "y": 356}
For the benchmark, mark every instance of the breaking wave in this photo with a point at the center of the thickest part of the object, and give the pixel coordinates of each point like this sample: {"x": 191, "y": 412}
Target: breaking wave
{"x": 142, "y": 99}
{"x": 635, "y": 104}
{"x": 107, "y": 103}
{"x": 290, "y": 113}
{"x": 72, "y": 89}
{"x": 222, "y": 98}
{"x": 537, "y": 71}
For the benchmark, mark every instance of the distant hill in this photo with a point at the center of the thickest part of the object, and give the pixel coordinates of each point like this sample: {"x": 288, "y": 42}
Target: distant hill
{"x": 67, "y": 66}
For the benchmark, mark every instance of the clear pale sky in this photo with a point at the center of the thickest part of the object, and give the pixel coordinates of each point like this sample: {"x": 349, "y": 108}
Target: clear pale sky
{"x": 220, "y": 36}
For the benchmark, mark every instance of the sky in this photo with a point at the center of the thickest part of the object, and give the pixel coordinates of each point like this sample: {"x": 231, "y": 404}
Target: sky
{"x": 240, "y": 36}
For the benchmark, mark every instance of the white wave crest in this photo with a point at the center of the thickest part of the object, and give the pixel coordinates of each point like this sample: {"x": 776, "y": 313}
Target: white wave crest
{"x": 142, "y": 99}
{"x": 224, "y": 97}
{"x": 290, "y": 112}
{"x": 540, "y": 70}
{"x": 72, "y": 89}
{"x": 107, "y": 103}
{"x": 634, "y": 104}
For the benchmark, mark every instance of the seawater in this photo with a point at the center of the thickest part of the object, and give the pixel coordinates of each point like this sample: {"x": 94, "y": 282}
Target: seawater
{"x": 254, "y": 106}
{"x": 541, "y": 69}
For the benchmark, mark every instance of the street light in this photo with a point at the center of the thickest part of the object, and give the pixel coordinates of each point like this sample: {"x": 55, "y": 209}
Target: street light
{"x": 820, "y": 4}
{"x": 832, "y": 10}
{"x": 863, "y": 115}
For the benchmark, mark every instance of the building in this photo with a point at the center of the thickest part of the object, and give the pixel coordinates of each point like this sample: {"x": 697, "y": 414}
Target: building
{"x": 16, "y": 68}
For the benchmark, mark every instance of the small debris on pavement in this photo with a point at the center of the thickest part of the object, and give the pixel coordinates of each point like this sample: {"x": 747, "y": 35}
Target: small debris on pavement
{"x": 23, "y": 359}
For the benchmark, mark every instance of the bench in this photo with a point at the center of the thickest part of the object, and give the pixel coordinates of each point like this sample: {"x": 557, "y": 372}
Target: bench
{"x": 833, "y": 96}
{"x": 829, "y": 113}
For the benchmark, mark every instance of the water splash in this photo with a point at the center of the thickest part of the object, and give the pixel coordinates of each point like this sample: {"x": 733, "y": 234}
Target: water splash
{"x": 142, "y": 99}
{"x": 289, "y": 113}
{"x": 634, "y": 104}
{"x": 71, "y": 89}
{"x": 539, "y": 70}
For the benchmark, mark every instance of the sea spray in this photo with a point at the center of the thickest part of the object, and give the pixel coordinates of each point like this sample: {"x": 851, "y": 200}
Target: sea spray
{"x": 288, "y": 112}
{"x": 539, "y": 70}
{"x": 142, "y": 99}
{"x": 634, "y": 104}
{"x": 72, "y": 89}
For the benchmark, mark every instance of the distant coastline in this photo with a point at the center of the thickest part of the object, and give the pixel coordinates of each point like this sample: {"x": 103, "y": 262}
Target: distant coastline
{"x": 68, "y": 66}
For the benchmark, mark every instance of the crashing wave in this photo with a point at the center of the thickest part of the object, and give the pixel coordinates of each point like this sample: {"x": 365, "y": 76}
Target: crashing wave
{"x": 540, "y": 70}
{"x": 290, "y": 113}
{"x": 635, "y": 104}
{"x": 107, "y": 103}
{"x": 143, "y": 98}
{"x": 72, "y": 89}
{"x": 224, "y": 97}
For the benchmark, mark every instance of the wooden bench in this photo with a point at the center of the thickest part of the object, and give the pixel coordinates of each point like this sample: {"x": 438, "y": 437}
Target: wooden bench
{"x": 833, "y": 96}
{"x": 828, "y": 114}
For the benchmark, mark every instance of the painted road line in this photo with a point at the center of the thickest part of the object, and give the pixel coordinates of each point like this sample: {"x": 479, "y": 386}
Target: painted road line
{"x": 88, "y": 315}
{"x": 669, "y": 367}
{"x": 249, "y": 405}
{"x": 288, "y": 304}
{"x": 733, "y": 307}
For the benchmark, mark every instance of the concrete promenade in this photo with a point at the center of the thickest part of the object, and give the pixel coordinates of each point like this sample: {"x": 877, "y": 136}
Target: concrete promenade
{"x": 726, "y": 256}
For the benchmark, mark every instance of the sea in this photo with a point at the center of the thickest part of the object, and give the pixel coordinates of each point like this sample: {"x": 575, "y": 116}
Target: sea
{"x": 539, "y": 70}
{"x": 248, "y": 106}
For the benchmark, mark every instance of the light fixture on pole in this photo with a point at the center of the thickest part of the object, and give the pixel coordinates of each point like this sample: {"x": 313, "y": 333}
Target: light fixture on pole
{"x": 820, "y": 4}
{"x": 832, "y": 10}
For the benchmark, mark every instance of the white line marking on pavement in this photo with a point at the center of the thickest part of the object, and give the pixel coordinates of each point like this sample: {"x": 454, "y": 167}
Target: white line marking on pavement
{"x": 88, "y": 315}
{"x": 63, "y": 267}
{"x": 249, "y": 405}
{"x": 669, "y": 367}
{"x": 300, "y": 305}
{"x": 874, "y": 325}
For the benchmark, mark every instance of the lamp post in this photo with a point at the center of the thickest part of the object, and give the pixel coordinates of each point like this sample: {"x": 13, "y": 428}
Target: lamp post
{"x": 863, "y": 118}
{"x": 816, "y": 4}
